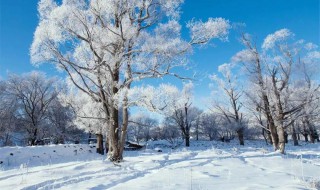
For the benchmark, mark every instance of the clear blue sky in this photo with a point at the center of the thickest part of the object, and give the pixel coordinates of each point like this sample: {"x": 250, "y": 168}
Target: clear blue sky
{"x": 18, "y": 20}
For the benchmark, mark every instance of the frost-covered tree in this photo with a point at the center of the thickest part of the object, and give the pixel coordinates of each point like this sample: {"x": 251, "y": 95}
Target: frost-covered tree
{"x": 141, "y": 126}
{"x": 8, "y": 122}
{"x": 209, "y": 125}
{"x": 185, "y": 118}
{"x": 106, "y": 45}
{"x": 172, "y": 103}
{"x": 307, "y": 87}
{"x": 33, "y": 93}
{"x": 88, "y": 114}
{"x": 227, "y": 83}
{"x": 270, "y": 69}
{"x": 170, "y": 132}
{"x": 60, "y": 123}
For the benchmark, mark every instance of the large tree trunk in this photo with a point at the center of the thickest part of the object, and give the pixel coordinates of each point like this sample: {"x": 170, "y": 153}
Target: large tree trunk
{"x": 281, "y": 135}
{"x": 274, "y": 137}
{"x": 240, "y": 136}
{"x": 125, "y": 121}
{"x": 271, "y": 125}
{"x": 114, "y": 154}
{"x": 100, "y": 149}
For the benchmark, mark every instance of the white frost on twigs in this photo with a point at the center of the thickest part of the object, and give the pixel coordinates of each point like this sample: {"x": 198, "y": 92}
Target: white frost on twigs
{"x": 202, "y": 32}
{"x": 280, "y": 35}
{"x": 244, "y": 56}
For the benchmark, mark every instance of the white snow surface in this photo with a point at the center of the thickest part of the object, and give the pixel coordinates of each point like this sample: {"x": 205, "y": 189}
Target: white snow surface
{"x": 204, "y": 165}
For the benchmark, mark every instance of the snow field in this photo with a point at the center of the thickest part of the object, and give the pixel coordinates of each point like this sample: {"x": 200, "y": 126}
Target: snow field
{"x": 204, "y": 165}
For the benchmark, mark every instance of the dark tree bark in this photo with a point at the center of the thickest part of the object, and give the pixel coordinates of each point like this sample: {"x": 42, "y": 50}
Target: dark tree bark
{"x": 187, "y": 141}
{"x": 294, "y": 136}
{"x": 286, "y": 137}
{"x": 305, "y": 137}
{"x": 100, "y": 149}
{"x": 240, "y": 136}
{"x": 34, "y": 137}
{"x": 264, "y": 135}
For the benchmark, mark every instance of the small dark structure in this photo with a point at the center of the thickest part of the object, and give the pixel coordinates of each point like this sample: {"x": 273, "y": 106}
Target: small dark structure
{"x": 132, "y": 146}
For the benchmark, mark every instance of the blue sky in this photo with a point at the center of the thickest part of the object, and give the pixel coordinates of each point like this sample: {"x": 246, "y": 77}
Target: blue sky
{"x": 18, "y": 20}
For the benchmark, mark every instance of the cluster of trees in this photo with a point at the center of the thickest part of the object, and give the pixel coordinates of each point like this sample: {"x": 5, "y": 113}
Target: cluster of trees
{"x": 30, "y": 110}
{"x": 282, "y": 94}
{"x": 107, "y": 47}
{"x": 203, "y": 126}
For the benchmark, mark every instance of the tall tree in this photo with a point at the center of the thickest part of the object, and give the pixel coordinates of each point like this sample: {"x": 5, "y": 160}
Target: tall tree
{"x": 106, "y": 45}
{"x": 209, "y": 125}
{"x": 230, "y": 110}
{"x": 33, "y": 93}
{"x": 141, "y": 126}
{"x": 270, "y": 69}
{"x": 170, "y": 102}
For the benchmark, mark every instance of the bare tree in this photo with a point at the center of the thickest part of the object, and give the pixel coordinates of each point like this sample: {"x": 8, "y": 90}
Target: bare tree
{"x": 8, "y": 107}
{"x": 270, "y": 71}
{"x": 60, "y": 123}
{"x": 231, "y": 110}
{"x": 33, "y": 94}
{"x": 105, "y": 46}
{"x": 141, "y": 126}
{"x": 184, "y": 118}
{"x": 209, "y": 126}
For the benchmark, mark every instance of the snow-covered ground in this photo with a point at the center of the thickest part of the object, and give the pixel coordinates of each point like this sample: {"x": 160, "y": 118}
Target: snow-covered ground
{"x": 205, "y": 165}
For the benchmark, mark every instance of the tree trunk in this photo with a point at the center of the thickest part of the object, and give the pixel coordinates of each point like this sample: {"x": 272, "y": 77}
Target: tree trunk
{"x": 114, "y": 154}
{"x": 187, "y": 138}
{"x": 317, "y": 136}
{"x": 107, "y": 144}
{"x": 312, "y": 139}
{"x": 6, "y": 142}
{"x": 100, "y": 149}
{"x": 286, "y": 137}
{"x": 264, "y": 136}
{"x": 240, "y": 136}
{"x": 281, "y": 136}
{"x": 313, "y": 134}
{"x": 269, "y": 137}
{"x": 294, "y": 136}
{"x": 274, "y": 137}
{"x": 34, "y": 137}
{"x": 271, "y": 125}
{"x": 305, "y": 137}
{"x": 197, "y": 132}
{"x": 89, "y": 138}
{"x": 124, "y": 125}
